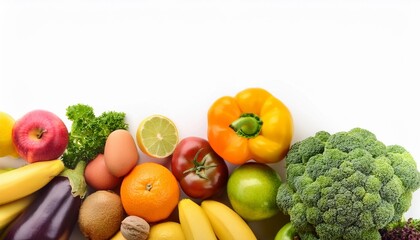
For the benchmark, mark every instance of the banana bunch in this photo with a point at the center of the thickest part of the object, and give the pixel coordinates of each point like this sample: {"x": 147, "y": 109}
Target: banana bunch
{"x": 19, "y": 186}
{"x": 194, "y": 222}
{"x": 212, "y": 220}
{"x": 9, "y": 211}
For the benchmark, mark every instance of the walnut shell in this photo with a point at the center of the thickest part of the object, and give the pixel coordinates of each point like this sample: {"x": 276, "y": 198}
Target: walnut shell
{"x": 135, "y": 228}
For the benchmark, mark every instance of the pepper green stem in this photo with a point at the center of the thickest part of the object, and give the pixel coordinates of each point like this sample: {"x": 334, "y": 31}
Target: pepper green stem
{"x": 76, "y": 179}
{"x": 200, "y": 168}
{"x": 248, "y": 125}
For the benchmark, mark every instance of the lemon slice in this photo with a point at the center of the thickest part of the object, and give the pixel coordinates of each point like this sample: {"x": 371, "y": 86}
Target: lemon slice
{"x": 157, "y": 136}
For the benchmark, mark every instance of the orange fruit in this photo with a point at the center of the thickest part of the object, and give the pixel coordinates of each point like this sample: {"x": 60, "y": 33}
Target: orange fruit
{"x": 150, "y": 191}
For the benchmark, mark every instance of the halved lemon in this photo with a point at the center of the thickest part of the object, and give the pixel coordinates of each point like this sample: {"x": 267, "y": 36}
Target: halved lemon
{"x": 157, "y": 136}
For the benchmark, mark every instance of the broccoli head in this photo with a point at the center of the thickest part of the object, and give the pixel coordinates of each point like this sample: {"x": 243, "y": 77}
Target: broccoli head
{"x": 346, "y": 185}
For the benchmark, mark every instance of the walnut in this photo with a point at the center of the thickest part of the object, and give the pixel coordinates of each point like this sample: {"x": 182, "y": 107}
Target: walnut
{"x": 135, "y": 228}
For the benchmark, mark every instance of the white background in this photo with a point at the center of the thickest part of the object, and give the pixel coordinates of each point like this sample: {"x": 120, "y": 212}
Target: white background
{"x": 336, "y": 64}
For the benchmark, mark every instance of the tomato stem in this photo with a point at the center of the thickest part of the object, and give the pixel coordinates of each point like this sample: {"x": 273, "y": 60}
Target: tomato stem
{"x": 248, "y": 125}
{"x": 200, "y": 167}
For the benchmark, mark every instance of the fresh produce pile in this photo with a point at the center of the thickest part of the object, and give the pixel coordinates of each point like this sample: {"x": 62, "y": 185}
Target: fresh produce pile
{"x": 346, "y": 185}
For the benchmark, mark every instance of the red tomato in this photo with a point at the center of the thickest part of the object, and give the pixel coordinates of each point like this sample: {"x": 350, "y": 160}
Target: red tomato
{"x": 199, "y": 170}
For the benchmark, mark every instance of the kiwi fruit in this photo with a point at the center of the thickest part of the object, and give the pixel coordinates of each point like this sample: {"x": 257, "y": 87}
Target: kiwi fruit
{"x": 100, "y": 215}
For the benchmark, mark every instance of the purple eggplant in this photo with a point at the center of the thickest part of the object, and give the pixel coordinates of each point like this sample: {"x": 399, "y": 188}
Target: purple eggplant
{"x": 54, "y": 212}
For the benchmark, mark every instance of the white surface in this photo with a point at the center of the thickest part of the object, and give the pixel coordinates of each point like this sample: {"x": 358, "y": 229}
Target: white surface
{"x": 336, "y": 64}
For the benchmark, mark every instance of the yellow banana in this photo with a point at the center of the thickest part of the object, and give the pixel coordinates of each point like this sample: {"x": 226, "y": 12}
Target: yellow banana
{"x": 3, "y": 170}
{"x": 23, "y": 181}
{"x": 9, "y": 211}
{"x": 194, "y": 222}
{"x": 226, "y": 223}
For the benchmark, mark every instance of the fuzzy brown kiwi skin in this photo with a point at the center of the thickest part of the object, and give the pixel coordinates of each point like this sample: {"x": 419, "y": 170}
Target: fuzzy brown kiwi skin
{"x": 100, "y": 215}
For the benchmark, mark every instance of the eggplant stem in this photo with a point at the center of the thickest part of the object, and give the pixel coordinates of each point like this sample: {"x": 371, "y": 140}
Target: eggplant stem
{"x": 76, "y": 179}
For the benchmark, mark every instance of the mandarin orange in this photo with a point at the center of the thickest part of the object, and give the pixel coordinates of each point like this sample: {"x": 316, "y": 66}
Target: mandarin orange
{"x": 150, "y": 191}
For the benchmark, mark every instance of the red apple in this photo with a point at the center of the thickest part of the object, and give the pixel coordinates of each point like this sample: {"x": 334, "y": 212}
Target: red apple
{"x": 40, "y": 135}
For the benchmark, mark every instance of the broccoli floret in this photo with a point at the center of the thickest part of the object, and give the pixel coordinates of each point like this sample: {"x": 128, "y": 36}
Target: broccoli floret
{"x": 329, "y": 231}
{"x": 311, "y": 193}
{"x": 298, "y": 218}
{"x": 285, "y": 197}
{"x": 321, "y": 163}
{"x": 362, "y": 160}
{"x": 403, "y": 163}
{"x": 402, "y": 205}
{"x": 323, "y": 136}
{"x": 294, "y": 155}
{"x": 310, "y": 147}
{"x": 293, "y": 171}
{"x": 307, "y": 236}
{"x": 392, "y": 190}
{"x": 344, "y": 142}
{"x": 382, "y": 170}
{"x": 346, "y": 185}
{"x": 313, "y": 215}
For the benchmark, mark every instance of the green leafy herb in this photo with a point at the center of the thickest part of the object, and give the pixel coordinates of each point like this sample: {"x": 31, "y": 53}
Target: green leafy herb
{"x": 88, "y": 133}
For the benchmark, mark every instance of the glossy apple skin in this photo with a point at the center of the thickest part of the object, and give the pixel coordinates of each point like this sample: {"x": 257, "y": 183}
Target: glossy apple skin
{"x": 40, "y": 135}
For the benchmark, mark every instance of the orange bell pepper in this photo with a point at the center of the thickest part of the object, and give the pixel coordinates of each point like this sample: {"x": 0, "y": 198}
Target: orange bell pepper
{"x": 253, "y": 125}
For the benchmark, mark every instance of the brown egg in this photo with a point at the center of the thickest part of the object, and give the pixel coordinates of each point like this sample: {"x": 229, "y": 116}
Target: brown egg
{"x": 120, "y": 152}
{"x": 98, "y": 176}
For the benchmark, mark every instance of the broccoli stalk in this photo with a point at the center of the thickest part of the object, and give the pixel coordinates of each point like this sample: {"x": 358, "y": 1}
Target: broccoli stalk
{"x": 346, "y": 185}
{"x": 88, "y": 133}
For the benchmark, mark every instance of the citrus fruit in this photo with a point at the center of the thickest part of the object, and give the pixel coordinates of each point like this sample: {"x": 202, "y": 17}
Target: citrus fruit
{"x": 252, "y": 191}
{"x": 150, "y": 191}
{"x": 7, "y": 147}
{"x": 157, "y": 136}
{"x": 166, "y": 231}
